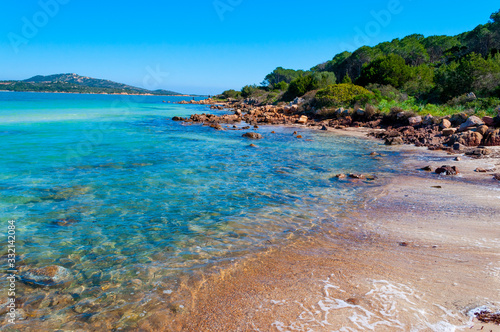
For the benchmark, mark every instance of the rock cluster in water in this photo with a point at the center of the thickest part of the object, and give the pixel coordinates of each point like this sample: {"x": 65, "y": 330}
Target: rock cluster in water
{"x": 453, "y": 133}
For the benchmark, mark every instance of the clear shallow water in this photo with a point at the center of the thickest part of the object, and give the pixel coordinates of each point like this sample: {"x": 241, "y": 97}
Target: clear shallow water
{"x": 112, "y": 189}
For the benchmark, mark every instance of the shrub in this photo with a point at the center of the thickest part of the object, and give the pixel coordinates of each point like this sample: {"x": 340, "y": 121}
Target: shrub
{"x": 281, "y": 86}
{"x": 390, "y": 69}
{"x": 231, "y": 94}
{"x": 387, "y": 92}
{"x": 341, "y": 95}
{"x": 248, "y": 90}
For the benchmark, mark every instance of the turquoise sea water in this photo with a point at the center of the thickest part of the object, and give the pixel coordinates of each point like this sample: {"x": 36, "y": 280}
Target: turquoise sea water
{"x": 112, "y": 189}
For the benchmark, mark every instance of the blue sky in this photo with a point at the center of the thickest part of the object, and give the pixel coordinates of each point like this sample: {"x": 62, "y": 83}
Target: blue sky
{"x": 207, "y": 46}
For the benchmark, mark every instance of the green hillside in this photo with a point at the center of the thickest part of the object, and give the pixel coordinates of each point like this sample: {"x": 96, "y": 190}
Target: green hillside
{"x": 458, "y": 72}
{"x": 73, "y": 83}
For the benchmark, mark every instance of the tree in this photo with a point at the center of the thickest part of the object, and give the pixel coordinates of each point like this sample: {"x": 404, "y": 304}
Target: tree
{"x": 248, "y": 90}
{"x": 281, "y": 74}
{"x": 388, "y": 70}
{"x": 421, "y": 81}
{"x": 299, "y": 87}
{"x": 323, "y": 79}
{"x": 281, "y": 86}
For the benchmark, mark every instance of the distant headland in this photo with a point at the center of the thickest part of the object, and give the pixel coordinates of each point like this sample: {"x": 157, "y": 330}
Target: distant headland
{"x": 74, "y": 83}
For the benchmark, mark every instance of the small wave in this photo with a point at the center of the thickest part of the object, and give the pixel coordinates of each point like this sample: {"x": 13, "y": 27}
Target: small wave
{"x": 385, "y": 307}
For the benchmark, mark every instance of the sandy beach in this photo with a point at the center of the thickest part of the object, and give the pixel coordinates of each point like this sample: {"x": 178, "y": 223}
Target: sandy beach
{"x": 420, "y": 254}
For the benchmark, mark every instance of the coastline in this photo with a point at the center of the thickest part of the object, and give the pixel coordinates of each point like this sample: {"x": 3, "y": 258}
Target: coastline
{"x": 104, "y": 93}
{"x": 414, "y": 256}
{"x": 286, "y": 279}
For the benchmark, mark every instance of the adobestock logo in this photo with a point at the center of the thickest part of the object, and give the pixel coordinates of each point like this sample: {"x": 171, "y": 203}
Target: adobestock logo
{"x": 31, "y": 26}
{"x": 381, "y": 19}
{"x": 224, "y": 6}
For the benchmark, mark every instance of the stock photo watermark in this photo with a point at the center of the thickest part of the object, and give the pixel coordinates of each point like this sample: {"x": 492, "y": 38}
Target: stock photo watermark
{"x": 31, "y": 25}
{"x": 11, "y": 271}
{"x": 381, "y": 19}
{"x": 224, "y": 6}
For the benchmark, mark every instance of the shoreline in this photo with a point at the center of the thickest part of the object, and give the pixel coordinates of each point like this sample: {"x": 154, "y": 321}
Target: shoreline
{"x": 103, "y": 93}
{"x": 404, "y": 253}
{"x": 287, "y": 281}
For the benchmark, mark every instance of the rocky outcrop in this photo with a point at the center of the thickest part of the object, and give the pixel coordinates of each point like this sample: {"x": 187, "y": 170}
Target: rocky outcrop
{"x": 454, "y": 133}
{"x": 492, "y": 137}
{"x": 469, "y": 138}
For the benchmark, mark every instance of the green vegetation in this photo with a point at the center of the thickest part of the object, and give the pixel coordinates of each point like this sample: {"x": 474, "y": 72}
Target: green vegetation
{"x": 436, "y": 74}
{"x": 342, "y": 95}
{"x": 72, "y": 83}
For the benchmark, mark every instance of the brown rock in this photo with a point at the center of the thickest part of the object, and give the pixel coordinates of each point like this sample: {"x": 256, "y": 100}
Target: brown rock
{"x": 448, "y": 170}
{"x": 448, "y": 132}
{"x": 415, "y": 120}
{"x": 48, "y": 276}
{"x": 445, "y": 123}
{"x": 340, "y": 176}
{"x": 488, "y": 120}
{"x": 252, "y": 135}
{"x": 394, "y": 141}
{"x": 482, "y": 129}
{"x": 353, "y": 301}
{"x": 469, "y": 138}
{"x": 497, "y": 176}
{"x": 478, "y": 152}
{"x": 302, "y": 120}
{"x": 492, "y": 137}
{"x": 472, "y": 121}
{"x": 427, "y": 169}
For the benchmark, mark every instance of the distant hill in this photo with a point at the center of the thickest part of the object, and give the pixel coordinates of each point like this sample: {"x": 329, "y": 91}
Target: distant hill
{"x": 73, "y": 83}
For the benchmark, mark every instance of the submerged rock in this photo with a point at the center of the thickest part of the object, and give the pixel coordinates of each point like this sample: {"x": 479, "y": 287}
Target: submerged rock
{"x": 49, "y": 276}
{"x": 252, "y": 135}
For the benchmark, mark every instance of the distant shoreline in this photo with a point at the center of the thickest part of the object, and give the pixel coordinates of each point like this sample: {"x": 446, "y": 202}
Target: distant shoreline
{"x": 107, "y": 93}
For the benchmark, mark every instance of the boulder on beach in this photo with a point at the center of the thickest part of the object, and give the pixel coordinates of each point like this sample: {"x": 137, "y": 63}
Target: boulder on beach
{"x": 49, "y": 276}
{"x": 448, "y": 170}
{"x": 471, "y": 122}
{"x": 302, "y": 120}
{"x": 445, "y": 123}
{"x": 492, "y": 137}
{"x": 449, "y": 131}
{"x": 252, "y": 135}
{"x": 469, "y": 138}
{"x": 415, "y": 120}
{"x": 394, "y": 141}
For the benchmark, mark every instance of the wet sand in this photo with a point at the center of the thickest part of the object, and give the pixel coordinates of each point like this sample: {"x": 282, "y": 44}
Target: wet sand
{"x": 421, "y": 253}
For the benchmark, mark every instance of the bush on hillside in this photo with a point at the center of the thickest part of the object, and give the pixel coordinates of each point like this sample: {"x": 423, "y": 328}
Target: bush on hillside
{"x": 231, "y": 94}
{"x": 342, "y": 95}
